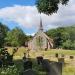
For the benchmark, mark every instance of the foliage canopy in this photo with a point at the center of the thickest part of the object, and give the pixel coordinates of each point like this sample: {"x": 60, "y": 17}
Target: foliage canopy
{"x": 3, "y": 32}
{"x": 49, "y": 6}
{"x": 64, "y": 37}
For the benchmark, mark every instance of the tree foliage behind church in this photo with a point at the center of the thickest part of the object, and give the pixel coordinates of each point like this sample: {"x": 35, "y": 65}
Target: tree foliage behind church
{"x": 64, "y": 37}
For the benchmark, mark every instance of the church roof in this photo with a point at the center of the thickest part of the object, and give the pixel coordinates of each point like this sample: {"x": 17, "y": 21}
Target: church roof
{"x": 40, "y": 26}
{"x": 41, "y": 33}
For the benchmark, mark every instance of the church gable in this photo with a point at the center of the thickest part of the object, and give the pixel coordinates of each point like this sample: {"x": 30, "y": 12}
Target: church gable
{"x": 40, "y": 40}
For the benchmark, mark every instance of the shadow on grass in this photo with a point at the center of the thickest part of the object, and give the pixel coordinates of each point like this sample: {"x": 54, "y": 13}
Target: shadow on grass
{"x": 35, "y": 67}
{"x": 18, "y": 68}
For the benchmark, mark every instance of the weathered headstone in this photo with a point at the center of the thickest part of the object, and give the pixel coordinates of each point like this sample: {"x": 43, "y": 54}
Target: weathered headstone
{"x": 24, "y": 57}
{"x": 27, "y": 65}
{"x": 46, "y": 65}
{"x": 55, "y": 68}
{"x": 71, "y": 57}
{"x": 56, "y": 55}
{"x": 15, "y": 50}
{"x": 46, "y": 49}
{"x": 39, "y": 59}
{"x": 61, "y": 60}
{"x": 52, "y": 68}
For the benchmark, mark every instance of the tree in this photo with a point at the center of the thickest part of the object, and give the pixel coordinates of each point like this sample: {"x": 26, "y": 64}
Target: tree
{"x": 16, "y": 37}
{"x": 67, "y": 44}
{"x": 49, "y": 6}
{"x": 57, "y": 35}
{"x": 63, "y": 37}
{"x": 3, "y": 31}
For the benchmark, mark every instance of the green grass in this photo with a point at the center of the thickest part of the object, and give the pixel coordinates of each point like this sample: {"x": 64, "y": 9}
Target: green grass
{"x": 19, "y": 68}
{"x": 65, "y": 52}
{"x": 68, "y": 69}
{"x": 33, "y": 54}
{"x": 46, "y": 54}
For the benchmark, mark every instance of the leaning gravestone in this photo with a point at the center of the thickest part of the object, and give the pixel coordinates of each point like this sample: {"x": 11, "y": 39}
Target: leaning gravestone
{"x": 52, "y": 68}
{"x": 55, "y": 68}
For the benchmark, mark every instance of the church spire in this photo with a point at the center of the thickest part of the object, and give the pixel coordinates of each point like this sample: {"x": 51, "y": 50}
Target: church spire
{"x": 41, "y": 26}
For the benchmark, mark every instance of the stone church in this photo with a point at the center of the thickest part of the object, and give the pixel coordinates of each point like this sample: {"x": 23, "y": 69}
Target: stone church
{"x": 40, "y": 40}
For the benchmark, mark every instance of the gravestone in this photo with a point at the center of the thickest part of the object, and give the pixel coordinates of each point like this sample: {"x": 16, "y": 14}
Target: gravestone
{"x": 56, "y": 55}
{"x": 52, "y": 68}
{"x": 45, "y": 65}
{"x": 39, "y": 59}
{"x": 61, "y": 60}
{"x": 15, "y": 50}
{"x": 55, "y": 68}
{"x": 27, "y": 65}
{"x": 46, "y": 49}
{"x": 24, "y": 57}
{"x": 71, "y": 57}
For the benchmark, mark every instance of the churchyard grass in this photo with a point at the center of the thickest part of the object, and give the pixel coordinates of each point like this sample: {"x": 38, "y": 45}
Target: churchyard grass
{"x": 46, "y": 54}
{"x": 67, "y": 69}
{"x": 61, "y": 51}
{"x": 22, "y": 50}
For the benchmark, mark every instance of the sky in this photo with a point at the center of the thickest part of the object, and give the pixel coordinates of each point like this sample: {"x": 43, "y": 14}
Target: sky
{"x": 24, "y": 14}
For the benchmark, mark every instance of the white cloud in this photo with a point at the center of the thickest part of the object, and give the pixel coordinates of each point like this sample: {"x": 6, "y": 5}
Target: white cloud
{"x": 23, "y": 15}
{"x": 32, "y": 34}
{"x": 28, "y": 16}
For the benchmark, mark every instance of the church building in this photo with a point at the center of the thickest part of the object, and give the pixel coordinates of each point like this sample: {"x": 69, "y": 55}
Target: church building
{"x": 40, "y": 40}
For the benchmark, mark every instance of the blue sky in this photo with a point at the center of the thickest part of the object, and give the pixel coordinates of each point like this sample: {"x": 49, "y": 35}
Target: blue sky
{"x": 11, "y": 3}
{"x": 24, "y": 14}
{"x": 5, "y": 3}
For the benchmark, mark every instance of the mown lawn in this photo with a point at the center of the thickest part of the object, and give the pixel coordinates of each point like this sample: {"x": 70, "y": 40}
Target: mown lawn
{"x": 33, "y": 54}
{"x": 60, "y": 51}
{"x": 68, "y": 70}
